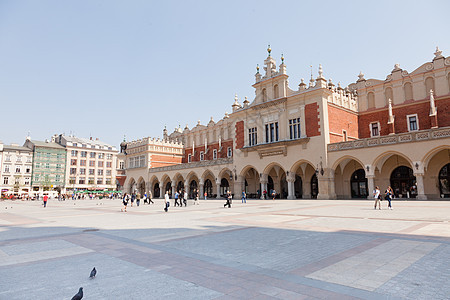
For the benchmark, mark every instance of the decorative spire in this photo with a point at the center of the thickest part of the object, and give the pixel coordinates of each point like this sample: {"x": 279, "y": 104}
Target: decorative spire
{"x": 432, "y": 104}
{"x": 438, "y": 53}
{"x": 391, "y": 115}
{"x": 269, "y": 50}
{"x": 361, "y": 77}
{"x": 198, "y": 122}
{"x": 282, "y": 58}
{"x": 246, "y": 102}
{"x": 320, "y": 71}
{"x": 257, "y": 69}
{"x": 302, "y": 85}
{"x": 226, "y": 115}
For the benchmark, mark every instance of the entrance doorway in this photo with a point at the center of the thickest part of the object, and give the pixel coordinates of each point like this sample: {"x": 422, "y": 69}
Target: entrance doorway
{"x": 444, "y": 181}
{"x": 358, "y": 184}
{"x": 298, "y": 187}
{"x": 314, "y": 187}
{"x": 156, "y": 192}
{"x": 403, "y": 182}
{"x": 224, "y": 187}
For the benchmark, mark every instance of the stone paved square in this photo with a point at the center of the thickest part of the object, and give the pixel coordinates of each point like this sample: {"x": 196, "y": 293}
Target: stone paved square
{"x": 284, "y": 249}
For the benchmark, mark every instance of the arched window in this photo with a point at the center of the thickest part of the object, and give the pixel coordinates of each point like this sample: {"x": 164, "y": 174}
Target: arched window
{"x": 408, "y": 91}
{"x": 275, "y": 91}
{"x": 429, "y": 85}
{"x": 388, "y": 94}
{"x": 370, "y": 100}
{"x": 264, "y": 95}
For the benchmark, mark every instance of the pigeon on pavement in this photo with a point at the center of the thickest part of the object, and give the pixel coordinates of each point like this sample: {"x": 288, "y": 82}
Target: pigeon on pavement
{"x": 93, "y": 273}
{"x": 79, "y": 295}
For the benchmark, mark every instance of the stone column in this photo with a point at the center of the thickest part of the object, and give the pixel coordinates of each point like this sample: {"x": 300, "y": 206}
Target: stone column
{"x": 201, "y": 189}
{"x": 291, "y": 190}
{"x": 218, "y": 189}
{"x": 370, "y": 186}
{"x": 420, "y": 188}
{"x": 326, "y": 185}
{"x": 186, "y": 188}
{"x": 239, "y": 187}
{"x": 264, "y": 188}
{"x": 173, "y": 188}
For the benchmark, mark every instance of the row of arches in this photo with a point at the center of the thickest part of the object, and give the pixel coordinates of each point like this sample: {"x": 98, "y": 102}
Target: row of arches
{"x": 350, "y": 177}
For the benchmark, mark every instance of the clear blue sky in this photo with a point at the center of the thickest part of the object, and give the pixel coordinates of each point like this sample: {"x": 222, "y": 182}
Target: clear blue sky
{"x": 112, "y": 68}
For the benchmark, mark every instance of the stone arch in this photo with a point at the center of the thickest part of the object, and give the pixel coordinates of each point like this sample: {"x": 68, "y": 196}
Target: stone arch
{"x": 141, "y": 188}
{"x": 131, "y": 185}
{"x": 209, "y": 184}
{"x": 276, "y": 180}
{"x": 302, "y": 172}
{"x": 434, "y": 178}
{"x": 342, "y": 161}
{"x": 429, "y": 85}
{"x": 408, "y": 91}
{"x": 385, "y": 164}
{"x": 208, "y": 173}
{"x": 383, "y": 157}
{"x": 154, "y": 187}
{"x": 193, "y": 183}
{"x": 252, "y": 183}
{"x": 346, "y": 184}
{"x": 224, "y": 172}
{"x": 430, "y": 154}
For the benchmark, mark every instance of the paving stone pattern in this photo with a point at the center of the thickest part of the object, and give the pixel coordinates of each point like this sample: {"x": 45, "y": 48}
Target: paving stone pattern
{"x": 304, "y": 249}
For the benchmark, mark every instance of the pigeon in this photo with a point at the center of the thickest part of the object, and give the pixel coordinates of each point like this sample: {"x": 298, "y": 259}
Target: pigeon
{"x": 79, "y": 295}
{"x": 93, "y": 273}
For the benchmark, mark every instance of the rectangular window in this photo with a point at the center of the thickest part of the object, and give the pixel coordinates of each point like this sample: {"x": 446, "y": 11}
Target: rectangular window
{"x": 189, "y": 158}
{"x": 74, "y": 152}
{"x": 109, "y": 156}
{"x": 28, "y": 170}
{"x": 413, "y": 123}
{"x": 374, "y": 129}
{"x": 82, "y": 162}
{"x": 83, "y": 153}
{"x": 91, "y": 171}
{"x": 99, "y": 181}
{"x": 6, "y": 168}
{"x": 73, "y": 171}
{"x": 17, "y": 169}
{"x": 5, "y": 180}
{"x": 215, "y": 154}
{"x": 7, "y": 157}
{"x": 82, "y": 171}
{"x": 72, "y": 180}
{"x": 272, "y": 132}
{"x": 100, "y": 172}
{"x": 81, "y": 181}
{"x": 58, "y": 166}
{"x": 27, "y": 181}
{"x": 92, "y": 163}
{"x": 19, "y": 159}
{"x": 29, "y": 159}
{"x": 122, "y": 165}
{"x": 294, "y": 129}
{"x": 252, "y": 136}
{"x": 108, "y": 172}
{"x": 108, "y": 181}
{"x": 73, "y": 162}
{"x": 101, "y": 155}
{"x": 108, "y": 164}
{"x": 47, "y": 165}
{"x": 202, "y": 156}
{"x": 36, "y": 178}
{"x": 92, "y": 155}
{"x": 58, "y": 178}
{"x": 100, "y": 164}
{"x": 91, "y": 180}
{"x": 229, "y": 152}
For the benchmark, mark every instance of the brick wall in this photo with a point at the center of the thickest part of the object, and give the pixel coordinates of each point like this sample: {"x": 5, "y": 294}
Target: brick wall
{"x": 340, "y": 119}
{"x": 164, "y": 160}
{"x": 240, "y": 135}
{"x": 422, "y": 109}
{"x": 312, "y": 119}
{"x": 209, "y": 155}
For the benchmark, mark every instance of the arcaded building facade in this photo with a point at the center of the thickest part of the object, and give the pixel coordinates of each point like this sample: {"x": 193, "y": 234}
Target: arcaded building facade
{"x": 319, "y": 140}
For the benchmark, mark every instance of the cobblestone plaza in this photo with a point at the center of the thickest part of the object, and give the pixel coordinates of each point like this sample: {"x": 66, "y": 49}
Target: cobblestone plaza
{"x": 309, "y": 249}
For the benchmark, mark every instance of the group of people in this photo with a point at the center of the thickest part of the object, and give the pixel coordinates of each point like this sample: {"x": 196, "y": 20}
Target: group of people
{"x": 388, "y": 194}
{"x": 147, "y": 198}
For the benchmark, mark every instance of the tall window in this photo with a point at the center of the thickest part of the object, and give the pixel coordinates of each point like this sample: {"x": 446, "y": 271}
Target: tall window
{"x": 252, "y": 136}
{"x": 202, "y": 155}
{"x": 73, "y": 171}
{"x": 189, "y": 158}
{"x": 83, "y": 153}
{"x": 74, "y": 152}
{"x": 374, "y": 129}
{"x": 215, "y": 154}
{"x": 276, "y": 93}
{"x": 92, "y": 154}
{"x": 229, "y": 152}
{"x": 5, "y": 180}
{"x": 82, "y": 171}
{"x": 272, "y": 132}
{"x": 122, "y": 165}
{"x": 6, "y": 168}
{"x": 17, "y": 169}
{"x": 294, "y": 129}
{"x": 413, "y": 124}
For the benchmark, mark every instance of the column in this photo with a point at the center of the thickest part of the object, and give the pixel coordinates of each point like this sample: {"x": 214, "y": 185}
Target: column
{"x": 173, "y": 188}
{"x": 420, "y": 188}
{"x": 201, "y": 189}
{"x": 264, "y": 188}
{"x": 238, "y": 187}
{"x": 370, "y": 186}
{"x": 218, "y": 189}
{"x": 291, "y": 190}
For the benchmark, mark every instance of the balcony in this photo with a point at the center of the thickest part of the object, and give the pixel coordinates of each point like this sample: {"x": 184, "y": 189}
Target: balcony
{"x": 401, "y": 138}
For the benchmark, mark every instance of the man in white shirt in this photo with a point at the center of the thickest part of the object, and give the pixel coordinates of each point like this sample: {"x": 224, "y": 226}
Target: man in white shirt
{"x": 377, "y": 196}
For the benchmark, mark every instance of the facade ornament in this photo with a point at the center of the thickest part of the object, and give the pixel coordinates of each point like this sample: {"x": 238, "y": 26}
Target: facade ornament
{"x": 397, "y": 67}
{"x": 330, "y": 84}
{"x": 198, "y": 122}
{"x": 438, "y": 53}
{"x": 361, "y": 77}
{"x": 269, "y": 50}
{"x": 433, "y": 111}
{"x": 257, "y": 75}
{"x": 391, "y": 115}
{"x": 246, "y": 102}
{"x": 282, "y": 66}
{"x": 236, "y": 104}
{"x": 226, "y": 115}
{"x": 302, "y": 85}
{"x": 320, "y": 71}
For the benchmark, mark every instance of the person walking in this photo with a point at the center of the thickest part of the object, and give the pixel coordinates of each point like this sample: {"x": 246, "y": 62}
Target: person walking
{"x": 124, "y": 202}
{"x": 133, "y": 196}
{"x": 196, "y": 202}
{"x": 244, "y": 197}
{"x": 185, "y": 196}
{"x": 274, "y": 193}
{"x": 229, "y": 197}
{"x": 150, "y": 196}
{"x": 176, "y": 199}
{"x": 377, "y": 196}
{"x": 389, "y": 193}
{"x": 45, "y": 200}
{"x": 167, "y": 201}
{"x": 206, "y": 194}
{"x": 138, "y": 199}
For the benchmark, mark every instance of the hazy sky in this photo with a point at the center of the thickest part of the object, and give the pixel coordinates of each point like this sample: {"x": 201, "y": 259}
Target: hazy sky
{"x": 112, "y": 68}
